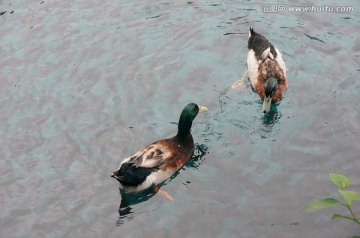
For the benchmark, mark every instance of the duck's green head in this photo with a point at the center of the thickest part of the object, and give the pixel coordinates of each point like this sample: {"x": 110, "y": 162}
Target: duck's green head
{"x": 187, "y": 116}
{"x": 271, "y": 86}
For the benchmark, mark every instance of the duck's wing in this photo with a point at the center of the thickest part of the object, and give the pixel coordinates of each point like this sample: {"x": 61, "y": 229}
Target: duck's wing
{"x": 152, "y": 156}
{"x": 280, "y": 61}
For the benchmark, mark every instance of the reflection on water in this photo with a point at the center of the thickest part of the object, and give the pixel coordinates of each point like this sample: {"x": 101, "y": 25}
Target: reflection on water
{"x": 247, "y": 115}
{"x": 129, "y": 200}
{"x": 272, "y": 117}
{"x": 268, "y": 121}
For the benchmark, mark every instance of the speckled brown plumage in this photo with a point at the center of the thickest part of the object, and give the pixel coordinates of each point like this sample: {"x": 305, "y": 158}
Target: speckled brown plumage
{"x": 181, "y": 152}
{"x": 267, "y": 69}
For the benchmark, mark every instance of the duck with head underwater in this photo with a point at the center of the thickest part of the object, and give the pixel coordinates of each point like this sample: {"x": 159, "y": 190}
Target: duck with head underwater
{"x": 155, "y": 163}
{"x": 266, "y": 69}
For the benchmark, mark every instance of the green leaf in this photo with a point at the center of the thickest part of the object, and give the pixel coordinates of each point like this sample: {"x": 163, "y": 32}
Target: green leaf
{"x": 349, "y": 196}
{"x": 340, "y": 180}
{"x": 337, "y": 216}
{"x": 322, "y": 203}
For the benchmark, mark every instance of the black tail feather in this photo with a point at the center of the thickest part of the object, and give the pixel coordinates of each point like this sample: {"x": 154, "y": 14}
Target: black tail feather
{"x": 130, "y": 175}
{"x": 252, "y": 30}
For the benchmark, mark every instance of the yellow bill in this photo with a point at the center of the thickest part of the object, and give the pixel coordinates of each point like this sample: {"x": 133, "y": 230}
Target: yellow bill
{"x": 202, "y": 109}
{"x": 266, "y": 105}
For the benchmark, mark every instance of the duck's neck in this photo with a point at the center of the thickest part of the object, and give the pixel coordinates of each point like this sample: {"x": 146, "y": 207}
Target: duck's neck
{"x": 184, "y": 127}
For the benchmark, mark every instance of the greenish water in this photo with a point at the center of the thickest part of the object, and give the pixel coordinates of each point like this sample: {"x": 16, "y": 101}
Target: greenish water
{"x": 84, "y": 84}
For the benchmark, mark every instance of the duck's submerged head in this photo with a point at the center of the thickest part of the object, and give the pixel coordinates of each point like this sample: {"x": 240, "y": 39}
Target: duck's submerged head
{"x": 271, "y": 87}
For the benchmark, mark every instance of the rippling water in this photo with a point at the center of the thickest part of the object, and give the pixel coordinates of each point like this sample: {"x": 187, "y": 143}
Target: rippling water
{"x": 83, "y": 84}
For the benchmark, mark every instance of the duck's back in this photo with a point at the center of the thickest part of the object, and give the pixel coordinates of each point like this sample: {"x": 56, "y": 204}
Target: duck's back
{"x": 270, "y": 69}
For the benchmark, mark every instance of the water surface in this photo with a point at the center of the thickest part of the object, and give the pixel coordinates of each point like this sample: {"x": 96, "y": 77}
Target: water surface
{"x": 86, "y": 83}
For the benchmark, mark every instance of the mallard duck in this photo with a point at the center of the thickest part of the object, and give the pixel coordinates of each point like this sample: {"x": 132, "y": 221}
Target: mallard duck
{"x": 158, "y": 161}
{"x": 266, "y": 69}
